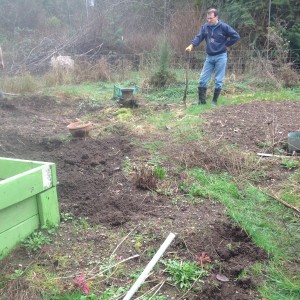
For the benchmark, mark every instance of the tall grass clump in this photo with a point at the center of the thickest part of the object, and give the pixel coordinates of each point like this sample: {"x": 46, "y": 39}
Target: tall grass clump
{"x": 21, "y": 84}
{"x": 59, "y": 76}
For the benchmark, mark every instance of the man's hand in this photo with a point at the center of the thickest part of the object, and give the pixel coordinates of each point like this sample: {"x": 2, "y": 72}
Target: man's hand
{"x": 189, "y": 48}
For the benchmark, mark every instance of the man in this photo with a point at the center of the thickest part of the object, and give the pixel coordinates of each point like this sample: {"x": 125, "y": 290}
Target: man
{"x": 219, "y": 37}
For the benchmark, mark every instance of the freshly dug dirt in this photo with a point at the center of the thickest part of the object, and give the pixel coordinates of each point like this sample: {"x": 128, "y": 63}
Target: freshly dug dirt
{"x": 92, "y": 183}
{"x": 257, "y": 126}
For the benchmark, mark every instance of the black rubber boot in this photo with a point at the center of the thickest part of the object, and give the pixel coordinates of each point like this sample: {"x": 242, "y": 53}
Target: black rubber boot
{"x": 202, "y": 95}
{"x": 216, "y": 96}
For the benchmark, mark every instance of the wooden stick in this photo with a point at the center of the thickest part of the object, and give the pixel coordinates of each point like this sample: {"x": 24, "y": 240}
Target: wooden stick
{"x": 122, "y": 241}
{"x": 186, "y": 79}
{"x": 297, "y": 209}
{"x": 271, "y": 155}
{"x": 10, "y": 94}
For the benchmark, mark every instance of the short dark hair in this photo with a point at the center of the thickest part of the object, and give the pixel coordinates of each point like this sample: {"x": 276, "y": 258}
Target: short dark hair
{"x": 213, "y": 11}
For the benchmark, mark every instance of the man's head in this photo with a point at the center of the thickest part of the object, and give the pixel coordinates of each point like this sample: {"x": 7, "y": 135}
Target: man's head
{"x": 212, "y": 16}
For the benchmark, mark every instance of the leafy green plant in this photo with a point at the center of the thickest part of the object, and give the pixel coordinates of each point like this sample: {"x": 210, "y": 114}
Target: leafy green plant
{"x": 64, "y": 217}
{"x": 17, "y": 273}
{"x": 51, "y": 230}
{"x": 184, "y": 274}
{"x": 136, "y": 274}
{"x": 81, "y": 224}
{"x": 159, "y": 297}
{"x": 127, "y": 165}
{"x": 112, "y": 293}
{"x": 35, "y": 241}
{"x": 76, "y": 295}
{"x": 289, "y": 163}
{"x": 156, "y": 160}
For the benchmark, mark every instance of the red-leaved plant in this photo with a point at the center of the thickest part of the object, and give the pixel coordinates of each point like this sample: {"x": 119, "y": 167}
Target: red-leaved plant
{"x": 203, "y": 259}
{"x": 81, "y": 283}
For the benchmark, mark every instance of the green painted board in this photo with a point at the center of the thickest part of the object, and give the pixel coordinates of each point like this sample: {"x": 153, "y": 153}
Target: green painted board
{"x": 25, "y": 185}
{"x": 28, "y": 199}
{"x": 19, "y": 233}
{"x": 11, "y": 167}
{"x": 18, "y": 213}
{"x": 48, "y": 207}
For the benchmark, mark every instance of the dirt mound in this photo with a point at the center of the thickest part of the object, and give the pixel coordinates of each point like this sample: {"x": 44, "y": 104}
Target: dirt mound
{"x": 255, "y": 126}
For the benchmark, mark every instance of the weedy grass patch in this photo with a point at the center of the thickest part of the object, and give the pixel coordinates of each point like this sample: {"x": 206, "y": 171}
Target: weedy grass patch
{"x": 264, "y": 219}
{"x": 35, "y": 241}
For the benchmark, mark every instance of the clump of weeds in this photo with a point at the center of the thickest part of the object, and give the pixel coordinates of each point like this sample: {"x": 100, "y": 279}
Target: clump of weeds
{"x": 185, "y": 274}
{"x": 289, "y": 164}
{"x": 35, "y": 241}
{"x": 144, "y": 177}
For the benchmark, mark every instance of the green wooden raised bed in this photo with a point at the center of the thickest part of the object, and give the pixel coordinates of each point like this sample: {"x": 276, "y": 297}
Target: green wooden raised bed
{"x": 28, "y": 200}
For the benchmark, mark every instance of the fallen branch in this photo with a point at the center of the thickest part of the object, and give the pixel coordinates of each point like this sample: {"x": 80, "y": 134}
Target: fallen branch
{"x": 186, "y": 80}
{"x": 10, "y": 94}
{"x": 156, "y": 288}
{"x": 271, "y": 155}
{"x": 297, "y": 209}
{"x": 122, "y": 241}
{"x": 100, "y": 273}
{"x": 112, "y": 266}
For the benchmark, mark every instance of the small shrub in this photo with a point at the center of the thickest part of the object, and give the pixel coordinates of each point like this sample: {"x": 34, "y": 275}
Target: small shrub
{"x": 163, "y": 76}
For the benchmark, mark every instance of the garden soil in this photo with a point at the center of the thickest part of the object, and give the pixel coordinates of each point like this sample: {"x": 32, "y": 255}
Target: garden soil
{"x": 93, "y": 184}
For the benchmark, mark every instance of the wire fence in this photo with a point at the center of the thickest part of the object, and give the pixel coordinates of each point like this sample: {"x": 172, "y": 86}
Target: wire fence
{"x": 239, "y": 61}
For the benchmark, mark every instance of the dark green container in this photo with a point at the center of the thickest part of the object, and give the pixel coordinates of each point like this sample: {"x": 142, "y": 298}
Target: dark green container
{"x": 294, "y": 141}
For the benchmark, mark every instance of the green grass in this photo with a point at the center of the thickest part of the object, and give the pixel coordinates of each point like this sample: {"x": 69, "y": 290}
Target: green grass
{"x": 93, "y": 91}
{"x": 271, "y": 225}
{"x": 249, "y": 96}
{"x": 153, "y": 146}
{"x": 161, "y": 120}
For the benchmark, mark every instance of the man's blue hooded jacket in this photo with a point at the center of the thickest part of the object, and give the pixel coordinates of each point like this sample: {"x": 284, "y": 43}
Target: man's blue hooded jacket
{"x": 217, "y": 37}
